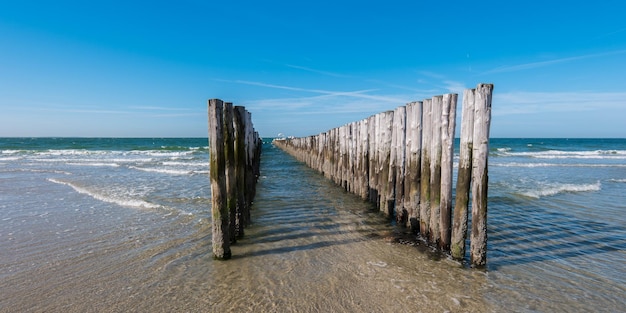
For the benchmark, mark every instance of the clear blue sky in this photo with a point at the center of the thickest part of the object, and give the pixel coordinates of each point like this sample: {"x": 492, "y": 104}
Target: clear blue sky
{"x": 146, "y": 69}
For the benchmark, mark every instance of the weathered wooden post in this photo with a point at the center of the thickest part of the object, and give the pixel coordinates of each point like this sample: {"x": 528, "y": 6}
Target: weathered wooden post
{"x": 412, "y": 163}
{"x": 398, "y": 155}
{"x": 230, "y": 173}
{"x": 386, "y": 178}
{"x": 448, "y": 124}
{"x": 461, "y": 203}
{"x": 482, "y": 121}
{"x": 219, "y": 208}
{"x": 425, "y": 168}
{"x": 373, "y": 159}
{"x": 362, "y": 159}
{"x": 241, "y": 215}
{"x": 234, "y": 154}
{"x": 435, "y": 171}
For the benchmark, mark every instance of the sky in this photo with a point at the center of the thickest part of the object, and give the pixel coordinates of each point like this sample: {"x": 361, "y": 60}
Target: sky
{"x": 147, "y": 68}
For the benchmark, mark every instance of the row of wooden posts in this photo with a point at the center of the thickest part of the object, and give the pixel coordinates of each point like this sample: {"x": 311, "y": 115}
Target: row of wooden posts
{"x": 402, "y": 160}
{"x": 234, "y": 152}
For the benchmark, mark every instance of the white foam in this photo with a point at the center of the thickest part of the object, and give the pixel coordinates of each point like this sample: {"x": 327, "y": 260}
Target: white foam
{"x": 119, "y": 201}
{"x": 11, "y": 151}
{"x": 97, "y": 164}
{"x": 158, "y": 153}
{"x": 162, "y": 170}
{"x": 195, "y": 164}
{"x": 521, "y": 164}
{"x": 559, "y": 154}
{"x": 554, "y": 189}
{"x": 622, "y": 180}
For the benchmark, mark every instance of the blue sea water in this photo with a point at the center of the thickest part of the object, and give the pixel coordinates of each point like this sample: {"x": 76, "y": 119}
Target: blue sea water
{"x": 117, "y": 224}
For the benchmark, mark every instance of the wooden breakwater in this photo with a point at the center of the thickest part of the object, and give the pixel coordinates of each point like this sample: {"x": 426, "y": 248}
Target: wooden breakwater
{"x": 402, "y": 161}
{"x": 234, "y": 153}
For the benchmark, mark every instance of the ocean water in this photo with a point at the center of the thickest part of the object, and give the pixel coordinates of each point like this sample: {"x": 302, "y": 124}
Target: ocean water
{"x": 118, "y": 225}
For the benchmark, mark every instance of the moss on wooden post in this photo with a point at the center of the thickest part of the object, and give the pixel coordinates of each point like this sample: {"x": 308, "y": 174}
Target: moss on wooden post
{"x": 461, "y": 203}
{"x": 234, "y": 156}
{"x": 482, "y": 121}
{"x": 448, "y": 123}
{"x": 219, "y": 207}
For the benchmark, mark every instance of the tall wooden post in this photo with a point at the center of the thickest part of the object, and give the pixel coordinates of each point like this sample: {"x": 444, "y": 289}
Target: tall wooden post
{"x": 425, "y": 168}
{"x": 241, "y": 215}
{"x": 373, "y": 159}
{"x": 399, "y": 156}
{"x": 386, "y": 177}
{"x": 219, "y": 208}
{"x": 435, "y": 171}
{"x": 413, "y": 160}
{"x": 230, "y": 173}
{"x": 448, "y": 123}
{"x": 482, "y": 121}
{"x": 461, "y": 203}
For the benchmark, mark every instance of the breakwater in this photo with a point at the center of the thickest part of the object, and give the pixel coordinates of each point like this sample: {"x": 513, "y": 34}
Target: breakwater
{"x": 235, "y": 151}
{"x": 402, "y": 161}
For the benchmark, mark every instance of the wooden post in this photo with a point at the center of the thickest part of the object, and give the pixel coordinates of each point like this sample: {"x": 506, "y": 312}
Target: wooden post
{"x": 240, "y": 168}
{"x": 386, "y": 177}
{"x": 364, "y": 144}
{"x": 425, "y": 168}
{"x": 448, "y": 123}
{"x": 461, "y": 203}
{"x": 219, "y": 208}
{"x": 482, "y": 121}
{"x": 373, "y": 159}
{"x": 398, "y": 154}
{"x": 435, "y": 171}
{"x": 412, "y": 167}
{"x": 231, "y": 179}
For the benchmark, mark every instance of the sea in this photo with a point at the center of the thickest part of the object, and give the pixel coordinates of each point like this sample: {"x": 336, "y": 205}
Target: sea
{"x": 124, "y": 225}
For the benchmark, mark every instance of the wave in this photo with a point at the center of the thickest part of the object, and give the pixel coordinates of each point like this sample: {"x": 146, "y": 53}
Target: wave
{"x": 84, "y": 152}
{"x": 195, "y": 164}
{"x": 622, "y": 180}
{"x": 10, "y": 151}
{"x": 520, "y": 164}
{"x": 97, "y": 164}
{"x": 135, "y": 203}
{"x": 554, "y": 189}
{"x": 162, "y": 170}
{"x": 560, "y": 154}
{"x": 5, "y": 159}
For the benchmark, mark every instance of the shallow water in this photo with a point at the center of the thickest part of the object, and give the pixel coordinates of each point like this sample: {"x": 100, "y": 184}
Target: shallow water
{"x": 124, "y": 229}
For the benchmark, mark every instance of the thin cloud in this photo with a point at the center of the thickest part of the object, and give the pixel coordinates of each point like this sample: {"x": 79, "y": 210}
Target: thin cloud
{"x": 543, "y": 102}
{"x": 431, "y": 74}
{"x": 396, "y": 86}
{"x": 317, "y": 71}
{"x": 612, "y": 33}
{"x": 454, "y": 86}
{"x": 355, "y": 94}
{"x": 155, "y": 108}
{"x": 532, "y": 65}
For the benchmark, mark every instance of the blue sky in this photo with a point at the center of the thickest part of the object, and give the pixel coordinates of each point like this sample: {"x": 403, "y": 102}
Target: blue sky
{"x": 147, "y": 69}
